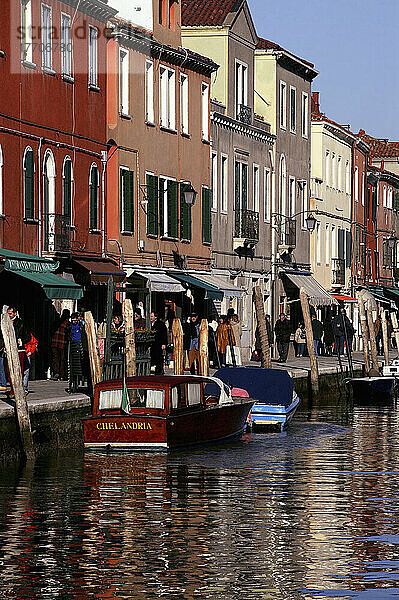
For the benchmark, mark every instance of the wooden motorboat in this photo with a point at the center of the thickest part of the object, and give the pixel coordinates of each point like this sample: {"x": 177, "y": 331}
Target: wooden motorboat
{"x": 163, "y": 413}
{"x": 372, "y": 389}
{"x": 273, "y": 390}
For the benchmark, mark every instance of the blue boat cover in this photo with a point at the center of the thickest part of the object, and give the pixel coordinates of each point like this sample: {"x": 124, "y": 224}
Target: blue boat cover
{"x": 269, "y": 386}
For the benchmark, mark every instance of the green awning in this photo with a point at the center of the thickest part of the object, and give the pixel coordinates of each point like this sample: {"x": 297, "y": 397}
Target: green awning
{"x": 393, "y": 291}
{"x": 212, "y": 292}
{"x": 54, "y": 286}
{"x": 41, "y": 271}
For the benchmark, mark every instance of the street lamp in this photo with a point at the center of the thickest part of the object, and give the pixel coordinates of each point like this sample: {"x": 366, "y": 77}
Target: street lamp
{"x": 189, "y": 195}
{"x": 310, "y": 223}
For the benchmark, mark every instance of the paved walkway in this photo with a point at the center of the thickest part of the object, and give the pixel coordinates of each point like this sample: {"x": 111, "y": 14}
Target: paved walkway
{"x": 51, "y": 395}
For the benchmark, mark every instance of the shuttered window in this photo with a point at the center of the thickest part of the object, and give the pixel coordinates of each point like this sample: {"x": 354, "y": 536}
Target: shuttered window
{"x": 206, "y": 216}
{"x": 162, "y": 211}
{"x": 29, "y": 185}
{"x": 67, "y": 189}
{"x": 348, "y": 235}
{"x": 185, "y": 215}
{"x": 173, "y": 209}
{"x": 93, "y": 197}
{"x": 152, "y": 204}
{"x": 126, "y": 191}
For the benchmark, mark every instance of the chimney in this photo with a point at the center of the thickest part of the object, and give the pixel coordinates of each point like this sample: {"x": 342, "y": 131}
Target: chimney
{"x": 315, "y": 103}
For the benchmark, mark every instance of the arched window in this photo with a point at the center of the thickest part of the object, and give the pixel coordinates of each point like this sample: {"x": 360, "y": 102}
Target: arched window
{"x": 93, "y": 197}
{"x": 29, "y": 183}
{"x": 67, "y": 182}
{"x": 1, "y": 182}
{"x": 49, "y": 218}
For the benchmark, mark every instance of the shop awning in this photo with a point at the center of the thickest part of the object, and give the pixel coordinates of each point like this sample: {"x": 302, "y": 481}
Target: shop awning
{"x": 229, "y": 289}
{"x": 392, "y": 291}
{"x": 159, "y": 281}
{"x": 317, "y": 295}
{"x": 55, "y": 287}
{"x": 211, "y": 291}
{"x": 343, "y": 298}
{"x": 100, "y": 271}
{"x": 41, "y": 271}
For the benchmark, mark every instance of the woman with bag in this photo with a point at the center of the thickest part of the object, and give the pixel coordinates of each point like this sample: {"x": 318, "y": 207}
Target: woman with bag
{"x": 300, "y": 339}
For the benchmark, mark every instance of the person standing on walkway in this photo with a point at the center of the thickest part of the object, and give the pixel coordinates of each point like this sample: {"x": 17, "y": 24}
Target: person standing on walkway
{"x": 159, "y": 344}
{"x": 317, "y": 329}
{"x": 378, "y": 335}
{"x": 282, "y": 330}
{"x": 237, "y": 333}
{"x": 328, "y": 337}
{"x": 59, "y": 348}
{"x": 139, "y": 321}
{"x": 300, "y": 338}
{"x": 339, "y": 324}
{"x": 77, "y": 353}
{"x": 23, "y": 338}
{"x": 222, "y": 338}
{"x": 191, "y": 342}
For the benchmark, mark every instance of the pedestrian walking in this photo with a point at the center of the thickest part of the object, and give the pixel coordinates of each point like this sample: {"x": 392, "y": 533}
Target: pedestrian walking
{"x": 191, "y": 342}
{"x": 341, "y": 323}
{"x": 282, "y": 330}
{"x": 159, "y": 343}
{"x": 222, "y": 338}
{"x": 328, "y": 337}
{"x": 59, "y": 348}
{"x": 77, "y": 353}
{"x": 23, "y": 338}
{"x": 317, "y": 329}
{"x": 236, "y": 328}
{"x": 300, "y": 338}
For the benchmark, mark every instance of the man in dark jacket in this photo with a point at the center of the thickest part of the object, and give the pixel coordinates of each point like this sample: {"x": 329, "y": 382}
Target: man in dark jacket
{"x": 317, "y": 329}
{"x": 191, "y": 342}
{"x": 159, "y": 344}
{"x": 341, "y": 327}
{"x": 282, "y": 330}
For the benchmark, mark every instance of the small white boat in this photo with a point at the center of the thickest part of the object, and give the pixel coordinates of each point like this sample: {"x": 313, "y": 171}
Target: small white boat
{"x": 372, "y": 389}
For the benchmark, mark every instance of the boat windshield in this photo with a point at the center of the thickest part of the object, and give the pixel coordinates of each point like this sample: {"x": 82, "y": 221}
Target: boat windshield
{"x": 138, "y": 398}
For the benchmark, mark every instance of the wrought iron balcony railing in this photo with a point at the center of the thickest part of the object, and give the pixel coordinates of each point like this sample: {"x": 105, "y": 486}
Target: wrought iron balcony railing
{"x": 338, "y": 271}
{"x": 246, "y": 225}
{"x": 56, "y": 232}
{"x": 245, "y": 114}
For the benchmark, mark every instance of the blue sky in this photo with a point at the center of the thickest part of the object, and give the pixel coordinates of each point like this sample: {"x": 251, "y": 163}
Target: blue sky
{"x": 354, "y": 44}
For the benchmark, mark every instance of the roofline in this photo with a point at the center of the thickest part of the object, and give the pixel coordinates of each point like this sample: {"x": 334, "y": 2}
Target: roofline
{"x": 336, "y": 126}
{"x": 278, "y": 53}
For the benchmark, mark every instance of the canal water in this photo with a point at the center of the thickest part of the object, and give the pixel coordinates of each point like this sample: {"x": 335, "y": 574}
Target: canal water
{"x": 310, "y": 513}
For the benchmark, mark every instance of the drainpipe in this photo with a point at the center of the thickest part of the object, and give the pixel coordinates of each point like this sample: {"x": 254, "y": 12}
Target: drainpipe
{"x": 39, "y": 213}
{"x": 104, "y": 159}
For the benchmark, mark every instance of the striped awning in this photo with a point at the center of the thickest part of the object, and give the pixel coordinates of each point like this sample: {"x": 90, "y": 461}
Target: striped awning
{"x": 317, "y": 295}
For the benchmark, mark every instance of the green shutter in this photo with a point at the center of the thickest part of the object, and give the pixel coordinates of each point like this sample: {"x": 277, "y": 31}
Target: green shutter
{"x": 185, "y": 215}
{"x": 29, "y": 174}
{"x": 237, "y": 201}
{"x": 152, "y": 204}
{"x": 173, "y": 209}
{"x": 127, "y": 199}
{"x": 206, "y": 216}
{"x": 67, "y": 189}
{"x": 161, "y": 200}
{"x": 94, "y": 198}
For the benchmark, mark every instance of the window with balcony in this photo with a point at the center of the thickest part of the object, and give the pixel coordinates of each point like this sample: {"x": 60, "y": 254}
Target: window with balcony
{"x": 241, "y": 87}
{"x": 26, "y": 31}
{"x": 46, "y": 38}
{"x": 246, "y": 222}
{"x": 123, "y": 81}
{"x": 94, "y": 184}
{"x": 126, "y": 199}
{"x": 93, "y": 34}
{"x": 66, "y": 45}
{"x": 283, "y": 105}
{"x": 205, "y": 111}
{"x": 29, "y": 184}
{"x": 292, "y": 109}
{"x": 167, "y": 109}
{"x": 184, "y": 103}
{"x": 149, "y": 91}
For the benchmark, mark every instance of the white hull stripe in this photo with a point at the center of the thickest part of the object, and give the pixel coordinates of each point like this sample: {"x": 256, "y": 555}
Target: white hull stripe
{"x": 126, "y": 444}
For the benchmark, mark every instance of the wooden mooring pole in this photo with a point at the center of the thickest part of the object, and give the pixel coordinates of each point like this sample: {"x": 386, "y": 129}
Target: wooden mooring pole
{"x": 384, "y": 326}
{"x": 261, "y": 321}
{"x": 21, "y": 404}
{"x": 94, "y": 358}
{"x": 177, "y": 335}
{"x": 130, "y": 342}
{"x": 314, "y": 369}
{"x": 394, "y": 320}
{"x": 373, "y": 343}
{"x": 363, "y": 329}
{"x": 203, "y": 348}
